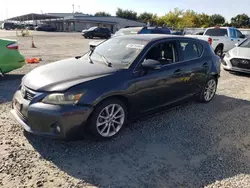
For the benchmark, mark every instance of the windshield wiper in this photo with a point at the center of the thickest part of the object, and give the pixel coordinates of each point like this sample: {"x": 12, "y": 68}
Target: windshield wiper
{"x": 105, "y": 59}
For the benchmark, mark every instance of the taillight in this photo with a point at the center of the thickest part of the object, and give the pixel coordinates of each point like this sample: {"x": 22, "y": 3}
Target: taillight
{"x": 12, "y": 46}
{"x": 210, "y": 40}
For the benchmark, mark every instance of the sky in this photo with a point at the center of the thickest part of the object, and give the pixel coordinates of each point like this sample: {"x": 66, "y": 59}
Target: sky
{"x": 227, "y": 8}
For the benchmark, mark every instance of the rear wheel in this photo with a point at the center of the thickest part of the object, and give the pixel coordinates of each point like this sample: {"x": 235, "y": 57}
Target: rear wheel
{"x": 209, "y": 90}
{"x": 219, "y": 51}
{"x": 108, "y": 118}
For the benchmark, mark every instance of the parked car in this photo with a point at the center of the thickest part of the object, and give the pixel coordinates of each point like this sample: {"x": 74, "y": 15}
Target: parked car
{"x": 45, "y": 28}
{"x": 8, "y": 26}
{"x": 135, "y": 30}
{"x": 96, "y": 32}
{"x": 238, "y": 58}
{"x": 30, "y": 26}
{"x": 128, "y": 31}
{"x": 10, "y": 57}
{"x": 142, "y": 30}
{"x": 123, "y": 78}
{"x": 222, "y": 39}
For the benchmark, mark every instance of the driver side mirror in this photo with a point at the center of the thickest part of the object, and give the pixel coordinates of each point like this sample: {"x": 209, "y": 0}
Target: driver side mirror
{"x": 151, "y": 64}
{"x": 242, "y": 36}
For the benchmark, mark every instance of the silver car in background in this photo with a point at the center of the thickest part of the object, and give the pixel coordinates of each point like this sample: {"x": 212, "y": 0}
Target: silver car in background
{"x": 238, "y": 58}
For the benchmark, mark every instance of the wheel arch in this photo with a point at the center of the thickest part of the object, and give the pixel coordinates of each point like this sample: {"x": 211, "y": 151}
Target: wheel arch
{"x": 220, "y": 45}
{"x": 122, "y": 98}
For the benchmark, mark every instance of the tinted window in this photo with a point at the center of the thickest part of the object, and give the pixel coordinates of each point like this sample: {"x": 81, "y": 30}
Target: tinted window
{"x": 216, "y": 32}
{"x": 146, "y": 31}
{"x": 165, "y": 53}
{"x": 190, "y": 50}
{"x": 161, "y": 31}
{"x": 238, "y": 34}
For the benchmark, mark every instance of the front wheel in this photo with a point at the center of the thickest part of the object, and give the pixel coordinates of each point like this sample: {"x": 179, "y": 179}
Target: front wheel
{"x": 209, "y": 90}
{"x": 108, "y": 118}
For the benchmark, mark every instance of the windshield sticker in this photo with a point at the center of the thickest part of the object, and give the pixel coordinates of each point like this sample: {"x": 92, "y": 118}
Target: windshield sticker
{"x": 136, "y": 46}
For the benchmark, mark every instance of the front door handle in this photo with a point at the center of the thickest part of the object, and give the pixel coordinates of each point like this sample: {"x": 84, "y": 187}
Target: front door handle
{"x": 178, "y": 72}
{"x": 205, "y": 65}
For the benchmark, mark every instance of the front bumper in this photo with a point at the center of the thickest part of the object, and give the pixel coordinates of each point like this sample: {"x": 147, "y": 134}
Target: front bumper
{"x": 228, "y": 66}
{"x": 45, "y": 119}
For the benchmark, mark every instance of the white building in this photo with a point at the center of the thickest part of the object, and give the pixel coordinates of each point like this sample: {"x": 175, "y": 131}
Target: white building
{"x": 78, "y": 22}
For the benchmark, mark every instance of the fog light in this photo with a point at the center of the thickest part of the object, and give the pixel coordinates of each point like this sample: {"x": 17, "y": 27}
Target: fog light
{"x": 58, "y": 129}
{"x": 223, "y": 62}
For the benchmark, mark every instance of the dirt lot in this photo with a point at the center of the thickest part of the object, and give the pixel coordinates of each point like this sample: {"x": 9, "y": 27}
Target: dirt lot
{"x": 196, "y": 145}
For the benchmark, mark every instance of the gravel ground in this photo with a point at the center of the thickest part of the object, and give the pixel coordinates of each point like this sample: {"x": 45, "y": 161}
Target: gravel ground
{"x": 196, "y": 145}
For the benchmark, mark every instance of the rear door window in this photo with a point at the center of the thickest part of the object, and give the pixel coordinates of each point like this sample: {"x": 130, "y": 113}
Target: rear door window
{"x": 216, "y": 32}
{"x": 190, "y": 49}
{"x": 238, "y": 34}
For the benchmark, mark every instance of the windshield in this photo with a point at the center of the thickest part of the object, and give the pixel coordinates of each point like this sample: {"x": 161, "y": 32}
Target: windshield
{"x": 92, "y": 28}
{"x": 245, "y": 44}
{"x": 121, "y": 51}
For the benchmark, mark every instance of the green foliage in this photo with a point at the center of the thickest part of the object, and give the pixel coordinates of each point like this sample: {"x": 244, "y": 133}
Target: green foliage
{"x": 145, "y": 17}
{"x": 217, "y": 19}
{"x": 127, "y": 14}
{"x": 241, "y": 20}
{"x": 179, "y": 19}
{"x": 102, "y": 13}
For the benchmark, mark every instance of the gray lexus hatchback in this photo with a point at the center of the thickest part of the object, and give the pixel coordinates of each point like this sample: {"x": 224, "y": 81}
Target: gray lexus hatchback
{"x": 121, "y": 79}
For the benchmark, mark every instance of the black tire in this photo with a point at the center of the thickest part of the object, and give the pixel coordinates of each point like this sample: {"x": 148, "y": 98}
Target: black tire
{"x": 219, "y": 51}
{"x": 91, "y": 36}
{"x": 92, "y": 124}
{"x": 201, "y": 97}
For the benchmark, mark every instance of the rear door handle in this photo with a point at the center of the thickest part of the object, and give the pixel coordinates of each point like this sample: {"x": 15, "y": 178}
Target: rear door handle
{"x": 178, "y": 72}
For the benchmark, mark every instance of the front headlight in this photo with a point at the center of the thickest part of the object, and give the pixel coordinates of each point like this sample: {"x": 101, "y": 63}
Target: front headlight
{"x": 227, "y": 55}
{"x": 62, "y": 99}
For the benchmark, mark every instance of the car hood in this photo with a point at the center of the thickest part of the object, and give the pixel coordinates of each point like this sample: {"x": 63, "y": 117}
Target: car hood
{"x": 240, "y": 52}
{"x": 62, "y": 75}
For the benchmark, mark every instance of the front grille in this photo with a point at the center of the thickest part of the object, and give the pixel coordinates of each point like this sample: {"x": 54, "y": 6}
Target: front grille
{"x": 240, "y": 63}
{"x": 23, "y": 117}
{"x": 27, "y": 94}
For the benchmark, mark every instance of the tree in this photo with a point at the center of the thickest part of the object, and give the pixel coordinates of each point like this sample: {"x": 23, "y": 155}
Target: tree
{"x": 189, "y": 19}
{"x": 145, "y": 17}
{"x": 241, "y": 20}
{"x": 217, "y": 19}
{"x": 102, "y": 13}
{"x": 127, "y": 14}
{"x": 172, "y": 18}
{"x": 203, "y": 20}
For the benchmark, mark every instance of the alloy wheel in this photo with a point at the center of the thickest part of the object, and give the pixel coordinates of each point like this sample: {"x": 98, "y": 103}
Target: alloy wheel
{"x": 110, "y": 120}
{"x": 210, "y": 90}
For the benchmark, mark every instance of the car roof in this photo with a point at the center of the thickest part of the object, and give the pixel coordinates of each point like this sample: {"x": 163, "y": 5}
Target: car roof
{"x": 154, "y": 37}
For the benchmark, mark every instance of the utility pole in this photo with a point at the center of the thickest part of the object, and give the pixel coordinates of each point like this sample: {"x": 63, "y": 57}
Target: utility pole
{"x": 73, "y": 6}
